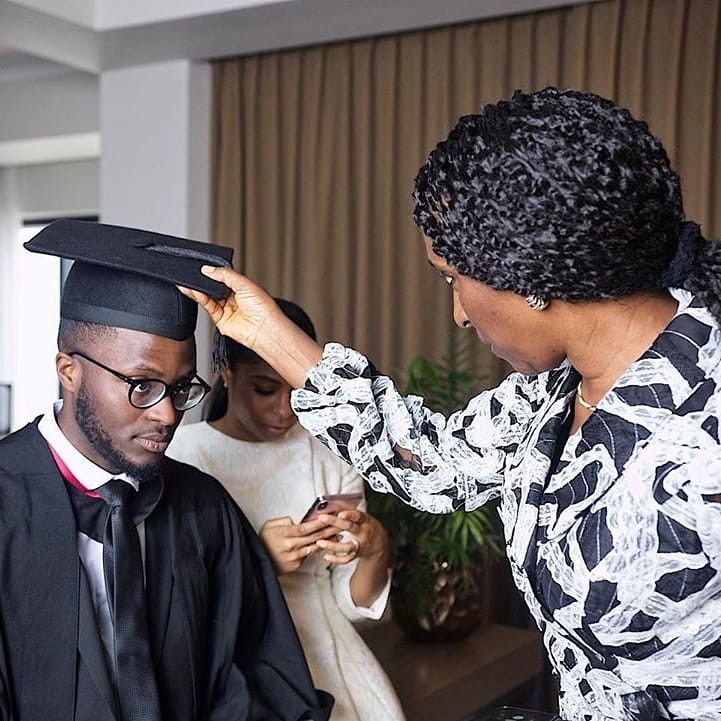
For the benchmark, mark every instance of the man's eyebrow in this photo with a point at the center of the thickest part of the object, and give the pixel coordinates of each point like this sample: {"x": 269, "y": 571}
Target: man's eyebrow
{"x": 157, "y": 372}
{"x": 143, "y": 368}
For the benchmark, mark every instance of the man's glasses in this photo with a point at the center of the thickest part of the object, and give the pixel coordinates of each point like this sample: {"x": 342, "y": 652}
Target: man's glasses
{"x": 147, "y": 392}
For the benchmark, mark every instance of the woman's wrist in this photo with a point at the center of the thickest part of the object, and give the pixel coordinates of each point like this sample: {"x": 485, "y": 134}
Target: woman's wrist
{"x": 378, "y": 555}
{"x": 287, "y": 348}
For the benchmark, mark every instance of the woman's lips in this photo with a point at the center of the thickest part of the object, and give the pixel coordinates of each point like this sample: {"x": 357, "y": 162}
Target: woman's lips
{"x": 278, "y": 430}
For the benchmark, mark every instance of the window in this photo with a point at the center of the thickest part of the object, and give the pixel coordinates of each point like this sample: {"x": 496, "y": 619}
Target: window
{"x": 35, "y": 311}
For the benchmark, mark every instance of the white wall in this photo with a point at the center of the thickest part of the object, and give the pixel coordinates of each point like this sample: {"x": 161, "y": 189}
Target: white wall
{"x": 48, "y": 115}
{"x": 51, "y": 105}
{"x": 114, "y": 14}
{"x": 81, "y": 12}
{"x": 9, "y": 220}
{"x": 36, "y": 299}
{"x": 29, "y": 282}
{"x": 58, "y": 189}
{"x": 154, "y": 173}
{"x": 155, "y": 166}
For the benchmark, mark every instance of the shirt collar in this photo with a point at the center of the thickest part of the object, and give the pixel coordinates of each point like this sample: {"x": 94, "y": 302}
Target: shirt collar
{"x": 88, "y": 473}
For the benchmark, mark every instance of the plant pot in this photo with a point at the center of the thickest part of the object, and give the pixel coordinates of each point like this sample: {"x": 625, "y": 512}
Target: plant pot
{"x": 429, "y": 602}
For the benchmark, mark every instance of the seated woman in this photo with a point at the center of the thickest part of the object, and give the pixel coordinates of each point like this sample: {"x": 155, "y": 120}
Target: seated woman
{"x": 332, "y": 570}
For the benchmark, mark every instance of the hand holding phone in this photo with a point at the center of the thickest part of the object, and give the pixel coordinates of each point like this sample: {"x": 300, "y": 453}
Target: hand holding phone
{"x": 332, "y": 503}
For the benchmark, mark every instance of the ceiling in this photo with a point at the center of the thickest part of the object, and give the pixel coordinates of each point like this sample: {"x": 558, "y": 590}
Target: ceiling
{"x": 40, "y": 36}
{"x": 17, "y": 65}
{"x": 52, "y": 52}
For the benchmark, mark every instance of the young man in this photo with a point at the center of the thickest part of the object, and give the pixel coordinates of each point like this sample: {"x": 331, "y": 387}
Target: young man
{"x": 131, "y": 586}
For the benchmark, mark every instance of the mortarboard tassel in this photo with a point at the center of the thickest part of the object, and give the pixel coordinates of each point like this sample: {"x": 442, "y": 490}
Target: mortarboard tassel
{"x": 220, "y": 352}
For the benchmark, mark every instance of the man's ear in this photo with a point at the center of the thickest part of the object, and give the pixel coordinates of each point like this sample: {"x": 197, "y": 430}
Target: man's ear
{"x": 69, "y": 372}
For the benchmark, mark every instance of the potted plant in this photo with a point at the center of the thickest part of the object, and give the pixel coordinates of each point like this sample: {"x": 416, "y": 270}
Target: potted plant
{"x": 436, "y": 593}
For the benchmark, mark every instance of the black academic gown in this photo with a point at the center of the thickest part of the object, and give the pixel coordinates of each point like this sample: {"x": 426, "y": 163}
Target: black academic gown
{"x": 223, "y": 644}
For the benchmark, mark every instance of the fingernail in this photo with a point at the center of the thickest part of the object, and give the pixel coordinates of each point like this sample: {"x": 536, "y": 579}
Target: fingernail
{"x": 207, "y": 269}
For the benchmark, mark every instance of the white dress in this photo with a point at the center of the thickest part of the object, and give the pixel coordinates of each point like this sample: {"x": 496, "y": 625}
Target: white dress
{"x": 280, "y": 478}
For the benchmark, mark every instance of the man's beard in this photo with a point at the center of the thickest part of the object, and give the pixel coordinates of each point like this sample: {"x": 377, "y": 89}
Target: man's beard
{"x": 87, "y": 419}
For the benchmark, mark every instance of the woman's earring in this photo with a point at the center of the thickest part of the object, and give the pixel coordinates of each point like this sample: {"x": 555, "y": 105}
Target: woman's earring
{"x": 535, "y": 302}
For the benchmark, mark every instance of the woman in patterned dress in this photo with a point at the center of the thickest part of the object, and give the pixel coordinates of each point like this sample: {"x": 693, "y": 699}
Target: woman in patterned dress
{"x": 557, "y": 221}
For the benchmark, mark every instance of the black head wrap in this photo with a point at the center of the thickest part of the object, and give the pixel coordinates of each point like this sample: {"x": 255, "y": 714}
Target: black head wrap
{"x": 560, "y": 194}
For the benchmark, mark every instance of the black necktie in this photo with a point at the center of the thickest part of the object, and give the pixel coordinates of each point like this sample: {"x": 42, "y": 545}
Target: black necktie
{"x": 134, "y": 673}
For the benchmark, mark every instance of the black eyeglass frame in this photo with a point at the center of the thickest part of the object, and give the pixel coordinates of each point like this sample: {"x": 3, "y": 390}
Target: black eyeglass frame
{"x": 170, "y": 390}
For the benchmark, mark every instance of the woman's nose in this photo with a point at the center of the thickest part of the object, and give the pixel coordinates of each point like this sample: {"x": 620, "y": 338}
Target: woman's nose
{"x": 282, "y": 407}
{"x": 459, "y": 315}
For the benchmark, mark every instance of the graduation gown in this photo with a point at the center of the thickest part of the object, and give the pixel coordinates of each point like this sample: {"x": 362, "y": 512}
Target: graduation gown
{"x": 223, "y": 644}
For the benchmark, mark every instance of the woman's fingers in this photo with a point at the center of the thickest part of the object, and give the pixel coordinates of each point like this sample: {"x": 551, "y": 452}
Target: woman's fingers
{"x": 345, "y": 520}
{"x": 355, "y": 516}
{"x": 212, "y": 307}
{"x": 249, "y": 296}
{"x": 281, "y": 521}
{"x": 234, "y": 280}
{"x": 307, "y": 527}
{"x": 243, "y": 312}
{"x": 340, "y": 551}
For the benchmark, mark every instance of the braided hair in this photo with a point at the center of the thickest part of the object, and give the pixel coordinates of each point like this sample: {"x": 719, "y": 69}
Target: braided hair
{"x": 562, "y": 194}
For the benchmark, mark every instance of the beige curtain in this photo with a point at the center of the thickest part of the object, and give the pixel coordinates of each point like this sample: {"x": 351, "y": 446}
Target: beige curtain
{"x": 315, "y": 150}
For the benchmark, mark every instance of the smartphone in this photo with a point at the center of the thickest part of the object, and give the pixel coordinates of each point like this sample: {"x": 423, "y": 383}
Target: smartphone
{"x": 332, "y": 503}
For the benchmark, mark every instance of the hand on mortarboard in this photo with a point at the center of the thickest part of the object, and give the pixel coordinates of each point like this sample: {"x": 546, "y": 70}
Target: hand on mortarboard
{"x": 250, "y": 316}
{"x": 242, "y": 315}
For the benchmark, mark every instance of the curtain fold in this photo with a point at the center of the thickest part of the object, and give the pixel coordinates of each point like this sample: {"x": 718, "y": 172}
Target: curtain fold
{"x": 315, "y": 150}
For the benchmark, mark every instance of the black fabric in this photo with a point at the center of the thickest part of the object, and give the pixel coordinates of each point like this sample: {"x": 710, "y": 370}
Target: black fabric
{"x": 106, "y": 296}
{"x": 143, "y": 252}
{"x": 126, "y": 277}
{"x": 223, "y": 645}
{"x": 91, "y": 512}
{"x": 123, "y": 567}
{"x": 95, "y": 698}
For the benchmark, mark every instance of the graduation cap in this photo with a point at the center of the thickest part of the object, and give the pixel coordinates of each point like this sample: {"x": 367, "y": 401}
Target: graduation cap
{"x": 125, "y": 277}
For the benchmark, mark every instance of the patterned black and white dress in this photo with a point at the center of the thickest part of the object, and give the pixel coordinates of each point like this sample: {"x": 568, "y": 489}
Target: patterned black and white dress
{"x": 617, "y": 551}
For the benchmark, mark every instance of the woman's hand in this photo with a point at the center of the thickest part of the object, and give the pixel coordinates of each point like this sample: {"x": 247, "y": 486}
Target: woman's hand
{"x": 367, "y": 541}
{"x": 250, "y": 316}
{"x": 364, "y": 537}
{"x": 243, "y": 313}
{"x": 289, "y": 544}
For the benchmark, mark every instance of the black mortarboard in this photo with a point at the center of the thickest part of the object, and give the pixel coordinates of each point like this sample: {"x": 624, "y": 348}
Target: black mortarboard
{"x": 125, "y": 277}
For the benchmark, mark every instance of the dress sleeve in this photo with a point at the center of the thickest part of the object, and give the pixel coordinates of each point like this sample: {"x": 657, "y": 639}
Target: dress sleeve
{"x": 340, "y": 576}
{"x": 401, "y": 447}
